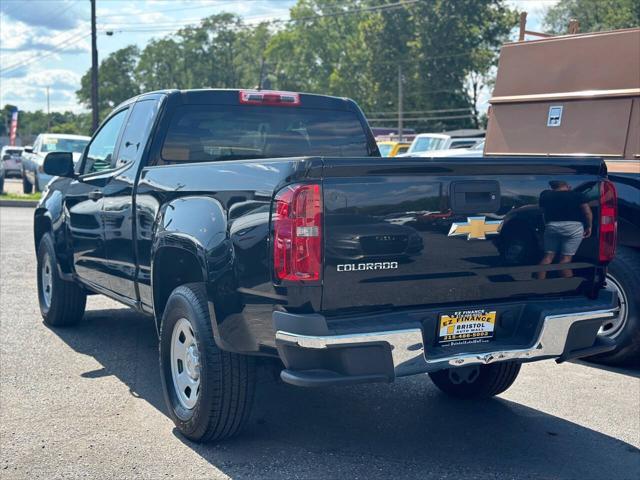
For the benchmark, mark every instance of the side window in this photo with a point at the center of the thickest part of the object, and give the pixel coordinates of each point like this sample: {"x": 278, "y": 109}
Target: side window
{"x": 36, "y": 144}
{"x": 136, "y": 132}
{"x": 102, "y": 147}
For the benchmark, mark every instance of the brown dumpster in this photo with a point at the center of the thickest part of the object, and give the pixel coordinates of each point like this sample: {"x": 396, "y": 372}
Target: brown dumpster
{"x": 569, "y": 95}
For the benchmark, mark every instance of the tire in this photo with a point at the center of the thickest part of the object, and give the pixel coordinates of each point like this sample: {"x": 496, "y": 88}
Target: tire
{"x": 225, "y": 382}
{"x": 26, "y": 185}
{"x": 1, "y": 185}
{"x": 623, "y": 276}
{"x": 476, "y": 381}
{"x": 36, "y": 184}
{"x": 62, "y": 303}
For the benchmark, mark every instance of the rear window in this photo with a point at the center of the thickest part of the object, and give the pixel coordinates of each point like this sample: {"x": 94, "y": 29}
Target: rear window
{"x": 14, "y": 152}
{"x": 54, "y": 144}
{"x": 424, "y": 144}
{"x": 385, "y": 149}
{"x": 205, "y": 133}
{"x": 462, "y": 143}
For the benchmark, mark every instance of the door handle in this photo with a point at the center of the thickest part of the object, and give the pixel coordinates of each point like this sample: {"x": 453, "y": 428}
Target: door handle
{"x": 95, "y": 195}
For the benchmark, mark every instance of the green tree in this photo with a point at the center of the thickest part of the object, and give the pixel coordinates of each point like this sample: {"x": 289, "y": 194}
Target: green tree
{"x": 357, "y": 50}
{"x": 221, "y": 52}
{"x": 593, "y": 15}
{"x": 116, "y": 81}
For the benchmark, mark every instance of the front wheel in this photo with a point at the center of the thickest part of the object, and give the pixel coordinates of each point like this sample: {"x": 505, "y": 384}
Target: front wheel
{"x": 208, "y": 392}
{"x": 480, "y": 381}
{"x": 61, "y": 302}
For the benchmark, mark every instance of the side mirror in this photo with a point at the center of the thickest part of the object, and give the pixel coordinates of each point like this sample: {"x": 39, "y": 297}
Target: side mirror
{"x": 59, "y": 164}
{"x": 28, "y": 149}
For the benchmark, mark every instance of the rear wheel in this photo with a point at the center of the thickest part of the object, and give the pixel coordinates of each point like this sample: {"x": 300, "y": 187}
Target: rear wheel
{"x": 623, "y": 277}
{"x": 26, "y": 185}
{"x": 209, "y": 392}
{"x": 480, "y": 381}
{"x": 61, "y": 303}
{"x": 1, "y": 184}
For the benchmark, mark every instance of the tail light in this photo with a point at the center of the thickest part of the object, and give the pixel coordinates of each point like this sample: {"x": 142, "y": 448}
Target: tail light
{"x": 608, "y": 221}
{"x": 297, "y": 233}
{"x": 268, "y": 97}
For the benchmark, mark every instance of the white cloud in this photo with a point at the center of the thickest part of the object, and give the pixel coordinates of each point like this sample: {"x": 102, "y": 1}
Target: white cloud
{"x": 50, "y": 14}
{"x": 19, "y": 36}
{"x": 29, "y": 92}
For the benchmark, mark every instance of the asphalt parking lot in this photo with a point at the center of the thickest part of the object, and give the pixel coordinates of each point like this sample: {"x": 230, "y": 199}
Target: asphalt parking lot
{"x": 86, "y": 402}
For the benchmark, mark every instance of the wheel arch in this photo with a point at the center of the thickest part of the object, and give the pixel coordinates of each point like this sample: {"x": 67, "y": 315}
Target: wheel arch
{"x": 47, "y": 220}
{"x": 41, "y": 225}
{"x": 174, "y": 265}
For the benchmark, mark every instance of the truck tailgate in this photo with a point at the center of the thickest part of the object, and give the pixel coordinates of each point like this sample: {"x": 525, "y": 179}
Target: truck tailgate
{"x": 448, "y": 232}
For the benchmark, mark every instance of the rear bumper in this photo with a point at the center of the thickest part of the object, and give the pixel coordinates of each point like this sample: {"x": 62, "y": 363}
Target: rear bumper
{"x": 316, "y": 356}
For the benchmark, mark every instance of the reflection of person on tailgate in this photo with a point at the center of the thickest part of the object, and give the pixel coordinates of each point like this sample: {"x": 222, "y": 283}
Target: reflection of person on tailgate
{"x": 568, "y": 220}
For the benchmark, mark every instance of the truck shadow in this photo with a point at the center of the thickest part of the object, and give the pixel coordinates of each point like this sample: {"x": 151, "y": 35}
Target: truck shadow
{"x": 402, "y": 429}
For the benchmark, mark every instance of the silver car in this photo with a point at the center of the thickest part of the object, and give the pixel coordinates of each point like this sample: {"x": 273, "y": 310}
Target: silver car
{"x": 33, "y": 177}
{"x": 10, "y": 157}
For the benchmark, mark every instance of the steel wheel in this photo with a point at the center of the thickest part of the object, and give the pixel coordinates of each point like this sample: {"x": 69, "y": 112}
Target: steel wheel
{"x": 185, "y": 364}
{"x": 46, "y": 279}
{"x": 613, "y": 327}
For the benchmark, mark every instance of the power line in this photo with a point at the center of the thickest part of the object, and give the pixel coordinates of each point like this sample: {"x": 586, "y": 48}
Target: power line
{"x": 193, "y": 7}
{"x": 74, "y": 39}
{"x": 375, "y": 8}
{"x": 442, "y": 110}
{"x": 421, "y": 119}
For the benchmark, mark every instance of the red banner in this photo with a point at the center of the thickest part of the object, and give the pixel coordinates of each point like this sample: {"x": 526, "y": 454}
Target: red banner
{"x": 13, "y": 130}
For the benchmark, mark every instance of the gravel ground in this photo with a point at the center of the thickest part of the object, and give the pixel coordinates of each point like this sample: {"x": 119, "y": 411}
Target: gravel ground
{"x": 86, "y": 402}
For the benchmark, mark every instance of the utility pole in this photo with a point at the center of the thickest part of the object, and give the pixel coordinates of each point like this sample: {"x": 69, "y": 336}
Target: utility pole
{"x": 94, "y": 70}
{"x": 48, "y": 112}
{"x": 400, "y": 102}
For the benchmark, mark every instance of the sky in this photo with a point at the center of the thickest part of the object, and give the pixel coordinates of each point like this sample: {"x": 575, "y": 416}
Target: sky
{"x": 47, "y": 43}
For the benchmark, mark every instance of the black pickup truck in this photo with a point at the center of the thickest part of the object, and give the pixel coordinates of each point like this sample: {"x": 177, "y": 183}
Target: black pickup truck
{"x": 259, "y": 226}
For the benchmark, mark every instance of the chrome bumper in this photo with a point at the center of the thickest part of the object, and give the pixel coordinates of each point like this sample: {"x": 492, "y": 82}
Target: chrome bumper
{"x": 408, "y": 351}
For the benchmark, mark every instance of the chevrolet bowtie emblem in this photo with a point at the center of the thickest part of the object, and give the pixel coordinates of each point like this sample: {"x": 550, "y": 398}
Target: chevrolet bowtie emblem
{"x": 475, "y": 227}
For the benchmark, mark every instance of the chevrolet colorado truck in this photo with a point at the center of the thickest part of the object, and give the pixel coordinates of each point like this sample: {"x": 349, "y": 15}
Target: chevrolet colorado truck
{"x": 261, "y": 226}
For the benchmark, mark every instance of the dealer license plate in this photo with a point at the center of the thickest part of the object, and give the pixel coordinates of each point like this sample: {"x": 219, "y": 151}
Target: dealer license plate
{"x": 467, "y": 326}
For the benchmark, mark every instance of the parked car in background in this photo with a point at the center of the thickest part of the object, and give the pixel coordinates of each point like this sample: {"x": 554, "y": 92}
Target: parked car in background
{"x": 10, "y": 157}
{"x": 476, "y": 151}
{"x": 392, "y": 149}
{"x": 425, "y": 142}
{"x": 33, "y": 176}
